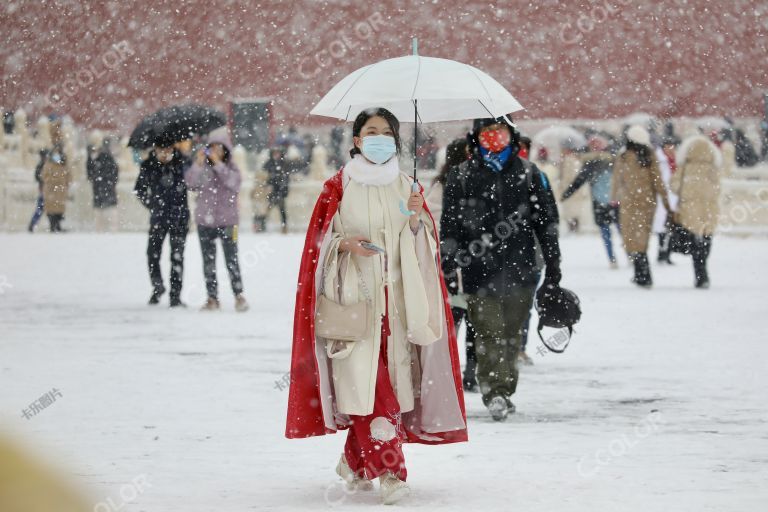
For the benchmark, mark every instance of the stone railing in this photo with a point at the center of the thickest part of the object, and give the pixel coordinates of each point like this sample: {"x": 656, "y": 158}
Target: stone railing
{"x": 744, "y": 198}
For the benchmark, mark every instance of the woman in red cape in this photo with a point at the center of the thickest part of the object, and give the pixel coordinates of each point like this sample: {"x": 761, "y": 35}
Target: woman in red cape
{"x": 402, "y": 383}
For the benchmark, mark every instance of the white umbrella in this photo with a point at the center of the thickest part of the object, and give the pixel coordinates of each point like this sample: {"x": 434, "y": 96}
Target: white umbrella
{"x": 445, "y": 90}
{"x": 645, "y": 120}
{"x": 426, "y": 89}
{"x": 713, "y": 123}
{"x": 560, "y": 137}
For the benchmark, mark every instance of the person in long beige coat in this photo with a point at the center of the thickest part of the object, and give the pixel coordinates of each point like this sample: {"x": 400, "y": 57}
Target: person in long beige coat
{"x": 697, "y": 182}
{"x": 399, "y": 380}
{"x": 636, "y": 184}
{"x": 56, "y": 178}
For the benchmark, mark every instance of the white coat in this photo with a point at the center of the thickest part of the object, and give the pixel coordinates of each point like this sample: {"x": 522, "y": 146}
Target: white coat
{"x": 410, "y": 273}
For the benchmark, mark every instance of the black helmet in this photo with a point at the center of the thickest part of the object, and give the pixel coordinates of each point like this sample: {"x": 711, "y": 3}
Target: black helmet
{"x": 559, "y": 308}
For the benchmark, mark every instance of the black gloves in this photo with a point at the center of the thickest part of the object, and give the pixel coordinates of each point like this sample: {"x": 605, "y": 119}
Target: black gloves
{"x": 552, "y": 275}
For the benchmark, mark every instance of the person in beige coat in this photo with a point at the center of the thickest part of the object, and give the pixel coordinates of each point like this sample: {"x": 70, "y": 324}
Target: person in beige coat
{"x": 636, "y": 184}
{"x": 56, "y": 178}
{"x": 697, "y": 182}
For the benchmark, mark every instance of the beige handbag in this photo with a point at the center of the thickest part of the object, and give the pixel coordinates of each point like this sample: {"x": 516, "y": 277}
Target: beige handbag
{"x": 334, "y": 321}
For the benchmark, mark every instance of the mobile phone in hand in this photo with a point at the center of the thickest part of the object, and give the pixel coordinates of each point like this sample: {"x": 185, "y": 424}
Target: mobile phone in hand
{"x": 372, "y": 247}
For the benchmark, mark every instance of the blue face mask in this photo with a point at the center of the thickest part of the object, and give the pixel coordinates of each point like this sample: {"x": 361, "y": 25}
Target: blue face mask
{"x": 378, "y": 148}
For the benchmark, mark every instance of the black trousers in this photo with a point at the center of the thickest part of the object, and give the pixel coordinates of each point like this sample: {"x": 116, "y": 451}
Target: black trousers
{"x": 279, "y": 201}
{"x": 228, "y": 236}
{"x": 178, "y": 238}
{"x": 54, "y": 219}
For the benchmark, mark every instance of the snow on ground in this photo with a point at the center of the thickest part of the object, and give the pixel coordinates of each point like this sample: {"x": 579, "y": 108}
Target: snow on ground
{"x": 658, "y": 405}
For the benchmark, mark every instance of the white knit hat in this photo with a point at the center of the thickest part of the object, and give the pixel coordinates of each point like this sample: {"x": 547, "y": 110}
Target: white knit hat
{"x": 639, "y": 135}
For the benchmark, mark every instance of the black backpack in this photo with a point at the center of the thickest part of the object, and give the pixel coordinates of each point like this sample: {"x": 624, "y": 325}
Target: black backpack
{"x": 560, "y": 308}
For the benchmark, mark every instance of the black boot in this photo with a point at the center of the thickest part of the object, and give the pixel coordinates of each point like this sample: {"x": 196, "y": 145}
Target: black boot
{"x": 156, "y": 294}
{"x": 642, "y": 270}
{"x": 702, "y": 279}
{"x": 700, "y": 254}
{"x": 664, "y": 249}
{"x": 176, "y": 303}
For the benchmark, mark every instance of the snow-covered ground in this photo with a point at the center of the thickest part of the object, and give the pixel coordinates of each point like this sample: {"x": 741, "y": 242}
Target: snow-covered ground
{"x": 658, "y": 405}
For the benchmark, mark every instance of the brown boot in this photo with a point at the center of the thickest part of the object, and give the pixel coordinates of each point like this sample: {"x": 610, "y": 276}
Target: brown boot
{"x": 524, "y": 358}
{"x": 241, "y": 305}
{"x": 212, "y": 304}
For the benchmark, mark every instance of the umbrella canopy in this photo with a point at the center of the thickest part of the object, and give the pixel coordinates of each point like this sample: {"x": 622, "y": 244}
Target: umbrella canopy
{"x": 443, "y": 90}
{"x": 431, "y": 90}
{"x": 647, "y": 121}
{"x": 712, "y": 123}
{"x": 560, "y": 137}
{"x": 178, "y": 122}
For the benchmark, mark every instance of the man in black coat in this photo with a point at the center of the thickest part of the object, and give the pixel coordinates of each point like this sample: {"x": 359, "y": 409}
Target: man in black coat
{"x": 162, "y": 189}
{"x": 496, "y": 207}
{"x": 102, "y": 172}
{"x": 279, "y": 179}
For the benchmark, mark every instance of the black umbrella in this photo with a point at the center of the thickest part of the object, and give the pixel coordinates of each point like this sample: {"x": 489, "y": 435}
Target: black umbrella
{"x": 176, "y": 123}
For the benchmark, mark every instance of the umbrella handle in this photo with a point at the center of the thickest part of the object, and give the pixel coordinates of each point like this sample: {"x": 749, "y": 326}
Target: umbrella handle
{"x": 403, "y": 208}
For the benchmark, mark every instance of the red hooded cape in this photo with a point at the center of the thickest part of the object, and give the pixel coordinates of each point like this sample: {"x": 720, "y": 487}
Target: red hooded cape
{"x": 305, "y": 415}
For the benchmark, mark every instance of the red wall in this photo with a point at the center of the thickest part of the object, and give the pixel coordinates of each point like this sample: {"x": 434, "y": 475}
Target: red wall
{"x": 577, "y": 59}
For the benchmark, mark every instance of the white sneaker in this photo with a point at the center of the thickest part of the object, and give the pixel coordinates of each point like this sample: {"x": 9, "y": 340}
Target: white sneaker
{"x": 354, "y": 482}
{"x": 498, "y": 408}
{"x": 392, "y": 489}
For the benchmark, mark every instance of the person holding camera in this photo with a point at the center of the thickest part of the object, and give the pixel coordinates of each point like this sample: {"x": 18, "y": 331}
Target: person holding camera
{"x": 216, "y": 179}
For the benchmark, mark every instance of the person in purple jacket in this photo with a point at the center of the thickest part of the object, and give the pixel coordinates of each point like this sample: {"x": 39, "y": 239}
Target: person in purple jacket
{"x": 216, "y": 179}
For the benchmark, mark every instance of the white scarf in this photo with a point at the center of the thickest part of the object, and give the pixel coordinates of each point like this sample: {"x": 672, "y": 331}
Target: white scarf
{"x": 367, "y": 173}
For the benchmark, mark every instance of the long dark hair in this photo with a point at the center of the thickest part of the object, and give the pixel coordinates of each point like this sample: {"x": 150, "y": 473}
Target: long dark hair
{"x": 642, "y": 152}
{"x": 363, "y": 118}
{"x": 455, "y": 154}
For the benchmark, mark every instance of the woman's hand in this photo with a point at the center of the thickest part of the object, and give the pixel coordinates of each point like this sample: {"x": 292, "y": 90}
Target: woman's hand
{"x": 352, "y": 244}
{"x": 217, "y": 153}
{"x": 416, "y": 205}
{"x": 200, "y": 157}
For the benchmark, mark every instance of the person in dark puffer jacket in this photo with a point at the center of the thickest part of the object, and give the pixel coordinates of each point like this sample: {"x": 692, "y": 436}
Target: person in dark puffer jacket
{"x": 496, "y": 206}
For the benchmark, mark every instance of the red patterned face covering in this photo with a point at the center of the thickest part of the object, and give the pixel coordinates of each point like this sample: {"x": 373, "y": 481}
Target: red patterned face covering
{"x": 494, "y": 141}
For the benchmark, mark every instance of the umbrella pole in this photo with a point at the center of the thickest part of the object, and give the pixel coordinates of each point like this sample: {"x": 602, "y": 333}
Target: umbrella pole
{"x": 415, "y": 137}
{"x": 415, "y": 43}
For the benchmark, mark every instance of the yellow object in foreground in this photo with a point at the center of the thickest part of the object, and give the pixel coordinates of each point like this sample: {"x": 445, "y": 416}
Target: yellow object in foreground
{"x": 27, "y": 485}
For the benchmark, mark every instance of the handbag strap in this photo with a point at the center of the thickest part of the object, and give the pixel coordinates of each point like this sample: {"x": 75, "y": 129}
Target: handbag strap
{"x": 555, "y": 349}
{"x": 366, "y": 293}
